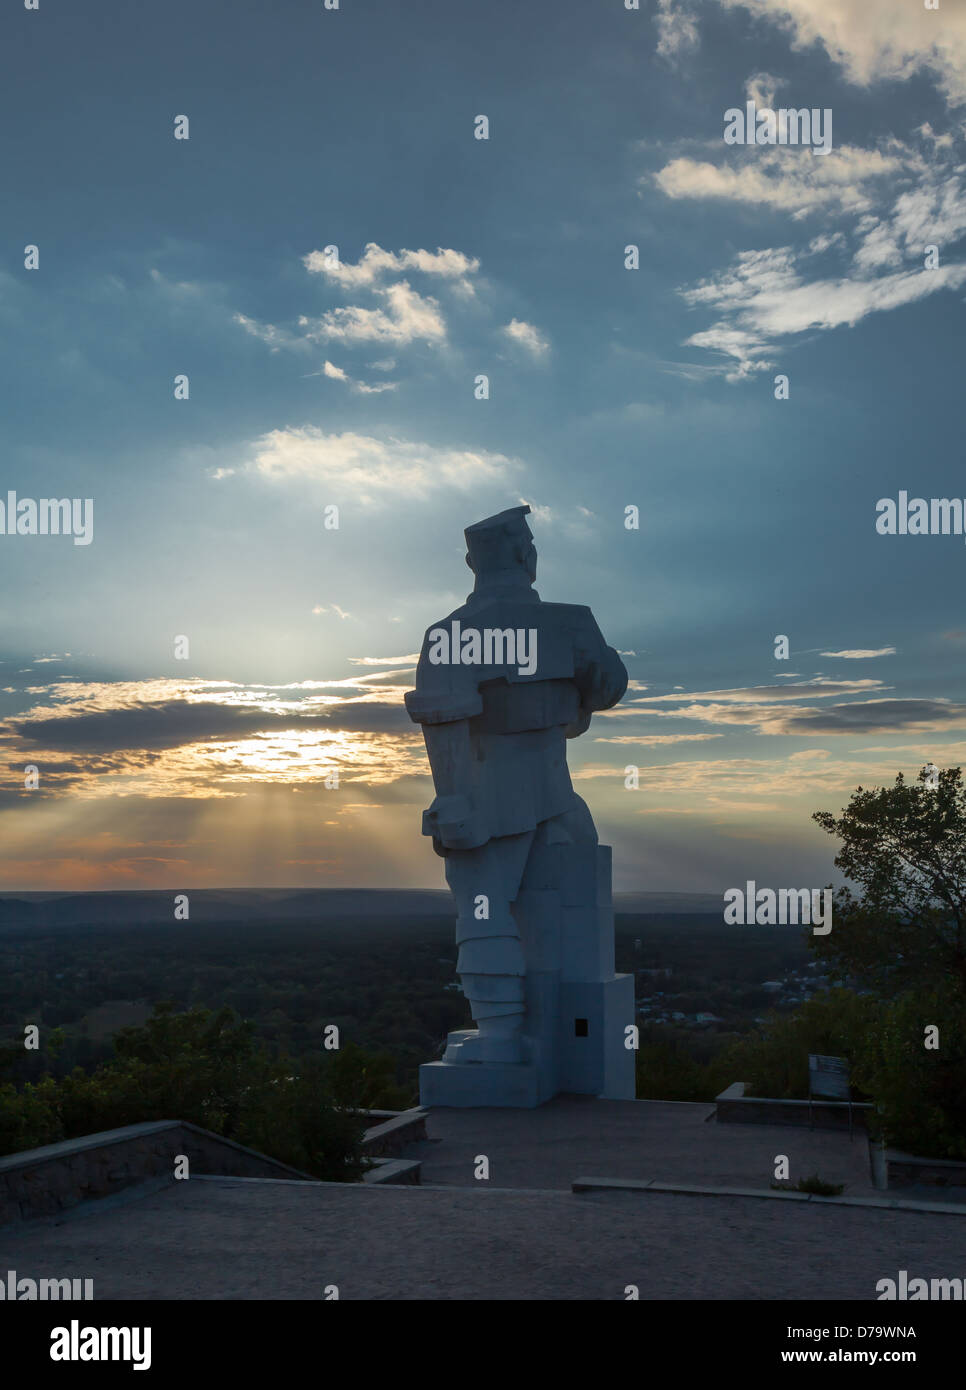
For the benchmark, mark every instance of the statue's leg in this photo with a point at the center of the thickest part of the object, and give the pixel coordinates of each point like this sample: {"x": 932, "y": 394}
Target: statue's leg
{"x": 578, "y": 823}
{"x": 491, "y": 964}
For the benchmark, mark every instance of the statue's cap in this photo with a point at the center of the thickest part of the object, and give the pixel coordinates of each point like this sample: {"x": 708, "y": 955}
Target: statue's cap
{"x": 495, "y": 542}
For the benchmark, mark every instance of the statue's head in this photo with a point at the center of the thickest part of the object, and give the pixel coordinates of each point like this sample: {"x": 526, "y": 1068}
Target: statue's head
{"x": 501, "y": 548}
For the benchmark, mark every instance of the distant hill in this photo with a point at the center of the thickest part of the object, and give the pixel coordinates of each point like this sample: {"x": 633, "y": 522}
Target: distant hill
{"x": 649, "y": 903}
{"x": 219, "y": 905}
{"x": 259, "y": 904}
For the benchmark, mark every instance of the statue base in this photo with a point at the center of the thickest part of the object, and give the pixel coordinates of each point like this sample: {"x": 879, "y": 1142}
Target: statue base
{"x": 467, "y": 1083}
{"x": 577, "y": 1008}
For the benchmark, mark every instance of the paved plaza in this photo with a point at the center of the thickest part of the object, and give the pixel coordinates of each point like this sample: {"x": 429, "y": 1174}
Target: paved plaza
{"x": 523, "y": 1234}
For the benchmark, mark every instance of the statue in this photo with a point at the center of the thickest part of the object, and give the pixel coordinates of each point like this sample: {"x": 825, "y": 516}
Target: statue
{"x": 501, "y": 684}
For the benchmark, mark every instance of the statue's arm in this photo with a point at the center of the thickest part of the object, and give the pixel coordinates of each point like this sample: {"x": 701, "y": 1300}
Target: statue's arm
{"x": 599, "y": 673}
{"x": 443, "y": 703}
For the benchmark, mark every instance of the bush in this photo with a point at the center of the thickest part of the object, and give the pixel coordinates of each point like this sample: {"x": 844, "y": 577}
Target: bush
{"x": 205, "y": 1068}
{"x": 666, "y": 1069}
{"x": 775, "y": 1063}
{"x": 920, "y": 1093}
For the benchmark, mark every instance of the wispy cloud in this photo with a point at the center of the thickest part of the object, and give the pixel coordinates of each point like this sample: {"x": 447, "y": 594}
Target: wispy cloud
{"x": 818, "y": 687}
{"x": 375, "y": 263}
{"x": 677, "y": 29}
{"x": 856, "y": 717}
{"x": 407, "y": 317}
{"x": 365, "y": 388}
{"x": 791, "y": 179}
{"x": 525, "y": 335}
{"x": 904, "y": 39}
{"x": 370, "y": 470}
{"x": 861, "y": 653}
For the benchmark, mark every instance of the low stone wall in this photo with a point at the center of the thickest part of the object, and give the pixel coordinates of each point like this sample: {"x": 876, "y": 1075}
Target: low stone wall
{"x": 734, "y": 1107}
{"x": 908, "y": 1170}
{"x": 394, "y": 1171}
{"x": 45, "y": 1181}
{"x": 389, "y": 1138}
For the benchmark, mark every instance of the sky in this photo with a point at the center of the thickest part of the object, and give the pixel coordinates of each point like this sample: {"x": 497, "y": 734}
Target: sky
{"x": 350, "y": 380}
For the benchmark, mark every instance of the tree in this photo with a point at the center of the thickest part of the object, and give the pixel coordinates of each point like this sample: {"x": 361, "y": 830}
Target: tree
{"x": 206, "y": 1068}
{"x": 905, "y": 938}
{"x": 360, "y": 1080}
{"x": 906, "y": 846}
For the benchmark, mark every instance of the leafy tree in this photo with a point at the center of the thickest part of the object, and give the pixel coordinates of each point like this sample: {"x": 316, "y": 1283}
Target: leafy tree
{"x": 27, "y": 1118}
{"x": 205, "y": 1068}
{"x": 906, "y": 846}
{"x": 920, "y": 1093}
{"x": 905, "y": 938}
{"x": 360, "y": 1080}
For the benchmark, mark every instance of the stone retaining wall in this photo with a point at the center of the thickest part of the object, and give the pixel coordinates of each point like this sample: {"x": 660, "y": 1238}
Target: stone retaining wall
{"x": 396, "y": 1172}
{"x": 908, "y": 1170}
{"x": 734, "y": 1107}
{"x": 389, "y": 1138}
{"x": 44, "y": 1181}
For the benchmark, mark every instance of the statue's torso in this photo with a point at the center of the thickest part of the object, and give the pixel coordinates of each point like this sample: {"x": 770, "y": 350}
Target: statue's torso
{"x": 519, "y": 723}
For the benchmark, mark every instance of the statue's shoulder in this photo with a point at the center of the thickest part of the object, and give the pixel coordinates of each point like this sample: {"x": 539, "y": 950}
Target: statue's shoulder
{"x": 459, "y": 615}
{"x": 572, "y": 617}
{"x": 578, "y": 611}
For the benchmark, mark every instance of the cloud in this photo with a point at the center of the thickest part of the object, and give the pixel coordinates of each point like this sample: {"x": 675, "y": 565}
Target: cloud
{"x": 211, "y": 739}
{"x": 527, "y": 337}
{"x": 857, "y": 717}
{"x": 409, "y": 660}
{"x": 677, "y": 29}
{"x": 761, "y": 708}
{"x": 765, "y": 296}
{"x": 375, "y": 263}
{"x": 764, "y": 300}
{"x": 374, "y": 388}
{"x": 402, "y": 316}
{"x": 371, "y": 470}
{"x": 730, "y": 785}
{"x": 175, "y": 288}
{"x": 904, "y": 38}
{"x": 894, "y": 201}
{"x": 761, "y": 88}
{"x": 789, "y": 179}
{"x": 334, "y": 373}
{"x": 391, "y": 313}
{"x": 408, "y": 317}
{"x": 861, "y": 653}
{"x": 654, "y": 740}
{"x": 819, "y": 687}
{"x": 275, "y": 338}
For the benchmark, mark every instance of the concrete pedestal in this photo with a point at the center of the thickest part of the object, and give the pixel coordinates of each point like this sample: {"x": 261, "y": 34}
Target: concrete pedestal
{"x": 577, "y": 1008}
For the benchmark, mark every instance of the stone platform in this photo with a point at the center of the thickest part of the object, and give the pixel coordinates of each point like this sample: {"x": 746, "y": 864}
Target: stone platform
{"x": 670, "y": 1141}
{"x": 224, "y": 1238}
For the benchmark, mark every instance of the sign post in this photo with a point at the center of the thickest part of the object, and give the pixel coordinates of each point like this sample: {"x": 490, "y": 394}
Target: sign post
{"x": 828, "y": 1078}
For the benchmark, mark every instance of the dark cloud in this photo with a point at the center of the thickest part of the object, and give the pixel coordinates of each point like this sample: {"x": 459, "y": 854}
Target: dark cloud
{"x": 171, "y": 724}
{"x": 875, "y": 717}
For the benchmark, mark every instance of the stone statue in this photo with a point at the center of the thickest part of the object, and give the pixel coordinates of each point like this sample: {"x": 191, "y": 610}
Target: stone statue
{"x": 501, "y": 684}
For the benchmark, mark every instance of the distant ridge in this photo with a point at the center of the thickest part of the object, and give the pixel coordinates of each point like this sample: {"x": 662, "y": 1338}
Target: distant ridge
{"x": 257, "y": 904}
{"x": 669, "y": 902}
{"x": 220, "y": 905}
